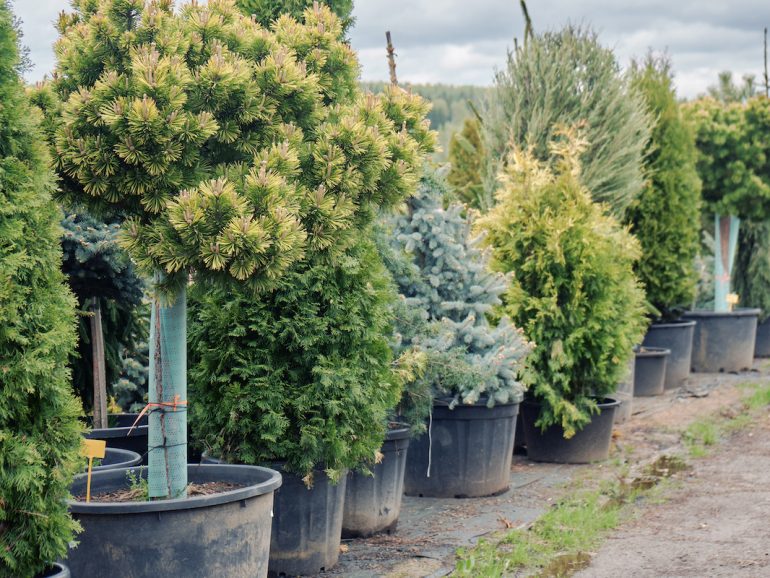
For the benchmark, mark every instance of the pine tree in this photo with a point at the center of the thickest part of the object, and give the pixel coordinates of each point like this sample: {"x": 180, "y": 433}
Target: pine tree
{"x": 466, "y": 156}
{"x": 268, "y": 11}
{"x": 573, "y": 290}
{"x": 234, "y": 152}
{"x": 39, "y": 426}
{"x": 666, "y": 216}
{"x": 448, "y": 292}
{"x": 565, "y": 79}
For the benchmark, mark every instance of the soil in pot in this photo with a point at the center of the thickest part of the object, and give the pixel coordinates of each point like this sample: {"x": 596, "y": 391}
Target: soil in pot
{"x": 591, "y": 444}
{"x": 373, "y": 503}
{"x": 466, "y": 452}
{"x": 723, "y": 340}
{"x": 762, "y": 346}
{"x": 677, "y": 337}
{"x": 650, "y": 371}
{"x": 221, "y": 534}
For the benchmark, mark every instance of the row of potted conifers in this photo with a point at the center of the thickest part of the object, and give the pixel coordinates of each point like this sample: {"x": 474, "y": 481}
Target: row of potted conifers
{"x": 465, "y": 452}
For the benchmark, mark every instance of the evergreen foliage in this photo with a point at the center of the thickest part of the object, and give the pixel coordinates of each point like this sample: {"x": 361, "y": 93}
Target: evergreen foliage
{"x": 732, "y": 155}
{"x": 233, "y": 150}
{"x": 447, "y": 291}
{"x": 303, "y": 374}
{"x": 39, "y": 426}
{"x": 467, "y": 158}
{"x": 268, "y": 11}
{"x": 573, "y": 291}
{"x": 566, "y": 78}
{"x": 751, "y": 276}
{"x": 666, "y": 216}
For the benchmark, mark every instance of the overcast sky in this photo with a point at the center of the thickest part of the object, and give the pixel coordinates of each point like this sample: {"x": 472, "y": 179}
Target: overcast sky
{"x": 463, "y": 41}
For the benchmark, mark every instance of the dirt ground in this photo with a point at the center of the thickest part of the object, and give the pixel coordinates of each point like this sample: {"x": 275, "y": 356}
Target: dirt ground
{"x": 713, "y": 527}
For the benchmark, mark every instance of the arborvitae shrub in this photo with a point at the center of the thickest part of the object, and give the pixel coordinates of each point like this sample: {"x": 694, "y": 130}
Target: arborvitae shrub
{"x": 39, "y": 426}
{"x": 573, "y": 288}
{"x": 752, "y": 267}
{"x": 466, "y": 156}
{"x": 447, "y": 292}
{"x": 666, "y": 216}
{"x": 567, "y": 78}
{"x": 302, "y": 374}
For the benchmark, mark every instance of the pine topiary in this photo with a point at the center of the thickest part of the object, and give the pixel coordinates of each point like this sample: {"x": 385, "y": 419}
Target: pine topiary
{"x": 666, "y": 216}
{"x": 467, "y": 158}
{"x": 234, "y": 151}
{"x": 302, "y": 375}
{"x": 39, "y": 426}
{"x": 268, "y": 11}
{"x": 567, "y": 78}
{"x": 573, "y": 292}
{"x": 448, "y": 291}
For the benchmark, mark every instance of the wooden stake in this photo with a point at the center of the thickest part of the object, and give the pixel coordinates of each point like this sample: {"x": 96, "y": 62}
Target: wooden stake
{"x": 99, "y": 369}
{"x": 391, "y": 60}
{"x": 767, "y": 79}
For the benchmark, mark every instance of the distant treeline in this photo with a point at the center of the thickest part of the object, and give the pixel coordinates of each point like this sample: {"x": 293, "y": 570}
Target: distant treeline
{"x": 450, "y": 106}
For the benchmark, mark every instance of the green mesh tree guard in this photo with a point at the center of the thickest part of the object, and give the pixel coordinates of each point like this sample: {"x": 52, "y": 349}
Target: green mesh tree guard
{"x": 167, "y": 444}
{"x": 725, "y": 243}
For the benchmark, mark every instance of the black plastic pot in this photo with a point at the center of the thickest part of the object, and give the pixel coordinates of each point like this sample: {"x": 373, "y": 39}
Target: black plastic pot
{"x": 677, "y": 337}
{"x": 650, "y": 371}
{"x": 466, "y": 452}
{"x": 591, "y": 444}
{"x": 723, "y": 340}
{"x": 307, "y": 525}
{"x": 373, "y": 503}
{"x": 56, "y": 570}
{"x": 762, "y": 346}
{"x": 224, "y": 534}
{"x": 625, "y": 392}
{"x": 115, "y": 458}
{"x": 117, "y": 435}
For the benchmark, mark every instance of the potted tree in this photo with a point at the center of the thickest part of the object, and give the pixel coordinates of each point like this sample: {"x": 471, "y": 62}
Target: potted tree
{"x": 574, "y": 294}
{"x": 665, "y": 219}
{"x": 39, "y": 425}
{"x": 470, "y": 389}
{"x": 231, "y": 151}
{"x": 731, "y": 154}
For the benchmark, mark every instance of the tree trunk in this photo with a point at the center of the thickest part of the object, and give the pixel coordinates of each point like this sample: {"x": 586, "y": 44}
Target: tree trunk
{"x": 725, "y": 242}
{"x": 167, "y": 446}
{"x": 99, "y": 370}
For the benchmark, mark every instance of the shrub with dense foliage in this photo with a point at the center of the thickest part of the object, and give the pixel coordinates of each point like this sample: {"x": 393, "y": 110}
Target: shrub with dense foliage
{"x": 567, "y": 78}
{"x": 448, "y": 292}
{"x": 39, "y": 427}
{"x": 268, "y": 11}
{"x": 573, "y": 292}
{"x": 302, "y": 374}
{"x": 666, "y": 215}
{"x": 751, "y": 278}
{"x": 467, "y": 158}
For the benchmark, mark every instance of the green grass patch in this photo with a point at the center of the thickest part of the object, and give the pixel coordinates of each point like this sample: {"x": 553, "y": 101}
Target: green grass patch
{"x": 699, "y": 435}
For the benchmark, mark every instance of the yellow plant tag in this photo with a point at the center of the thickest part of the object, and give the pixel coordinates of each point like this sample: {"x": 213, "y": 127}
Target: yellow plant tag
{"x": 732, "y": 300}
{"x": 93, "y": 448}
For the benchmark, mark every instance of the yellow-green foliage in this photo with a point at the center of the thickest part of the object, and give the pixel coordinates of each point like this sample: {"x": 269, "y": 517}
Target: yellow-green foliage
{"x": 573, "y": 291}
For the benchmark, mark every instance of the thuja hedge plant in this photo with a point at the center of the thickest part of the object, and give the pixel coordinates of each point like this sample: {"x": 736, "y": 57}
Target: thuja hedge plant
{"x": 573, "y": 292}
{"x": 39, "y": 426}
{"x": 665, "y": 218}
{"x": 563, "y": 78}
{"x": 447, "y": 295}
{"x": 234, "y": 152}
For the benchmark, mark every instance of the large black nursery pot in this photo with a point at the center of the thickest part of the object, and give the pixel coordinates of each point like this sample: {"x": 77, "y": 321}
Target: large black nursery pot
{"x": 117, "y": 435}
{"x": 762, "y": 346}
{"x": 221, "y": 534}
{"x": 115, "y": 458}
{"x": 56, "y": 570}
{"x": 466, "y": 452}
{"x": 650, "y": 376}
{"x": 590, "y": 444}
{"x": 373, "y": 503}
{"x": 677, "y": 337}
{"x": 723, "y": 340}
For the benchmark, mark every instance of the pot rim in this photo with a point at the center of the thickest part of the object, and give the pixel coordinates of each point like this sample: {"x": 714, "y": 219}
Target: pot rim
{"x": 678, "y": 324}
{"x": 127, "y": 459}
{"x": 606, "y": 403}
{"x": 269, "y": 485}
{"x": 646, "y": 351}
{"x": 741, "y": 312}
{"x": 402, "y": 432}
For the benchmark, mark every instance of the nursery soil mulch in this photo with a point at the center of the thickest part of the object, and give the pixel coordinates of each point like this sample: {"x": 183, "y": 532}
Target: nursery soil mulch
{"x": 714, "y": 525}
{"x": 135, "y": 494}
{"x": 430, "y": 529}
